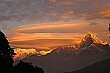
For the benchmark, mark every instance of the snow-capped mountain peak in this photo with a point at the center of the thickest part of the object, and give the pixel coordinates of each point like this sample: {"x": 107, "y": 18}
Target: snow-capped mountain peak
{"x": 90, "y": 39}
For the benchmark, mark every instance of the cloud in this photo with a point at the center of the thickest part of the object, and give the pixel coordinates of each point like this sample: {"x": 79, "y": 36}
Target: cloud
{"x": 68, "y": 15}
{"x": 65, "y": 2}
{"x": 76, "y": 26}
{"x": 38, "y": 19}
{"x": 51, "y": 34}
{"x": 55, "y": 27}
{"x": 52, "y": 10}
{"x": 52, "y": 0}
{"x": 44, "y": 44}
{"x": 101, "y": 15}
{"x": 44, "y": 41}
{"x": 93, "y": 23}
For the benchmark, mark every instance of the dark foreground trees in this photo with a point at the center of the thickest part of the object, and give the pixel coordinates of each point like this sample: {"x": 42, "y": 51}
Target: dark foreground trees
{"x": 6, "y": 60}
{"x": 6, "y": 54}
{"x": 25, "y": 67}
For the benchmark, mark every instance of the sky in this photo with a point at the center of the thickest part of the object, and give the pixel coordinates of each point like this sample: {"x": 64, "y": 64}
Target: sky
{"x": 46, "y": 24}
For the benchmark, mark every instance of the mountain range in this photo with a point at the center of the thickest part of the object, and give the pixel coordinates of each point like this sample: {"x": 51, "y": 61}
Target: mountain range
{"x": 72, "y": 57}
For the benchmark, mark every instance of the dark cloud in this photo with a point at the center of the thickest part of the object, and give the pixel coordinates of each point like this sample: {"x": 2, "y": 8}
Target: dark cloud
{"x": 53, "y": 10}
{"x": 93, "y": 23}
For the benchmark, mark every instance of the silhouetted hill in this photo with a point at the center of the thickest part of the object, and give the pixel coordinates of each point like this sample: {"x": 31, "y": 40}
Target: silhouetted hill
{"x": 25, "y": 67}
{"x": 99, "y": 67}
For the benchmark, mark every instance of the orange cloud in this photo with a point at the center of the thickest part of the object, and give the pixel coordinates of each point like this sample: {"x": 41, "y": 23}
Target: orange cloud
{"x": 64, "y": 3}
{"x": 28, "y": 36}
{"x": 44, "y": 40}
{"x": 35, "y": 36}
{"x": 43, "y": 25}
{"x": 103, "y": 15}
{"x": 71, "y": 26}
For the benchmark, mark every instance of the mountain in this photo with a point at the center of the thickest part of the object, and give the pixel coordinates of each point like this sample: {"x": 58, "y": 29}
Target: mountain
{"x": 72, "y": 57}
{"x": 91, "y": 40}
{"x": 99, "y": 67}
{"x": 22, "y": 53}
{"x": 91, "y": 43}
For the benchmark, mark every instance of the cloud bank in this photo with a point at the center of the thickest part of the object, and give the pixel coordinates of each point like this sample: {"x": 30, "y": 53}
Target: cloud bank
{"x": 53, "y": 10}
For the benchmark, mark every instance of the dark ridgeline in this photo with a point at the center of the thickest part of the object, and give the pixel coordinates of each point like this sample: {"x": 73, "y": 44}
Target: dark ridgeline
{"x": 99, "y": 67}
{"x": 6, "y": 60}
{"x": 25, "y": 67}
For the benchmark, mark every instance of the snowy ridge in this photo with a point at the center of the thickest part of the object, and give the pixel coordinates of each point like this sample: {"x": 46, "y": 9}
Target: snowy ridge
{"x": 90, "y": 39}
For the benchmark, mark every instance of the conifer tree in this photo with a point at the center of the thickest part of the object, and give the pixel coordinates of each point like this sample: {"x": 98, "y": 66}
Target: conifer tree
{"x": 6, "y": 53}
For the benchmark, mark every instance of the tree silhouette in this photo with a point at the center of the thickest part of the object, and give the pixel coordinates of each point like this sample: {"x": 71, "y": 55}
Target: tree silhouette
{"x": 25, "y": 67}
{"x": 6, "y": 60}
{"x": 6, "y": 53}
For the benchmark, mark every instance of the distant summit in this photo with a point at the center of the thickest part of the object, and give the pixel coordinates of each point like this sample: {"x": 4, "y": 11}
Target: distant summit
{"x": 90, "y": 39}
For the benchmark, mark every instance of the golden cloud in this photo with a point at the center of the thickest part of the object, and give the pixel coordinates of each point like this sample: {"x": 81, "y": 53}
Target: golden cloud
{"x": 64, "y": 3}
{"x": 102, "y": 14}
{"x": 29, "y": 36}
{"x": 44, "y": 41}
{"x": 52, "y": 27}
